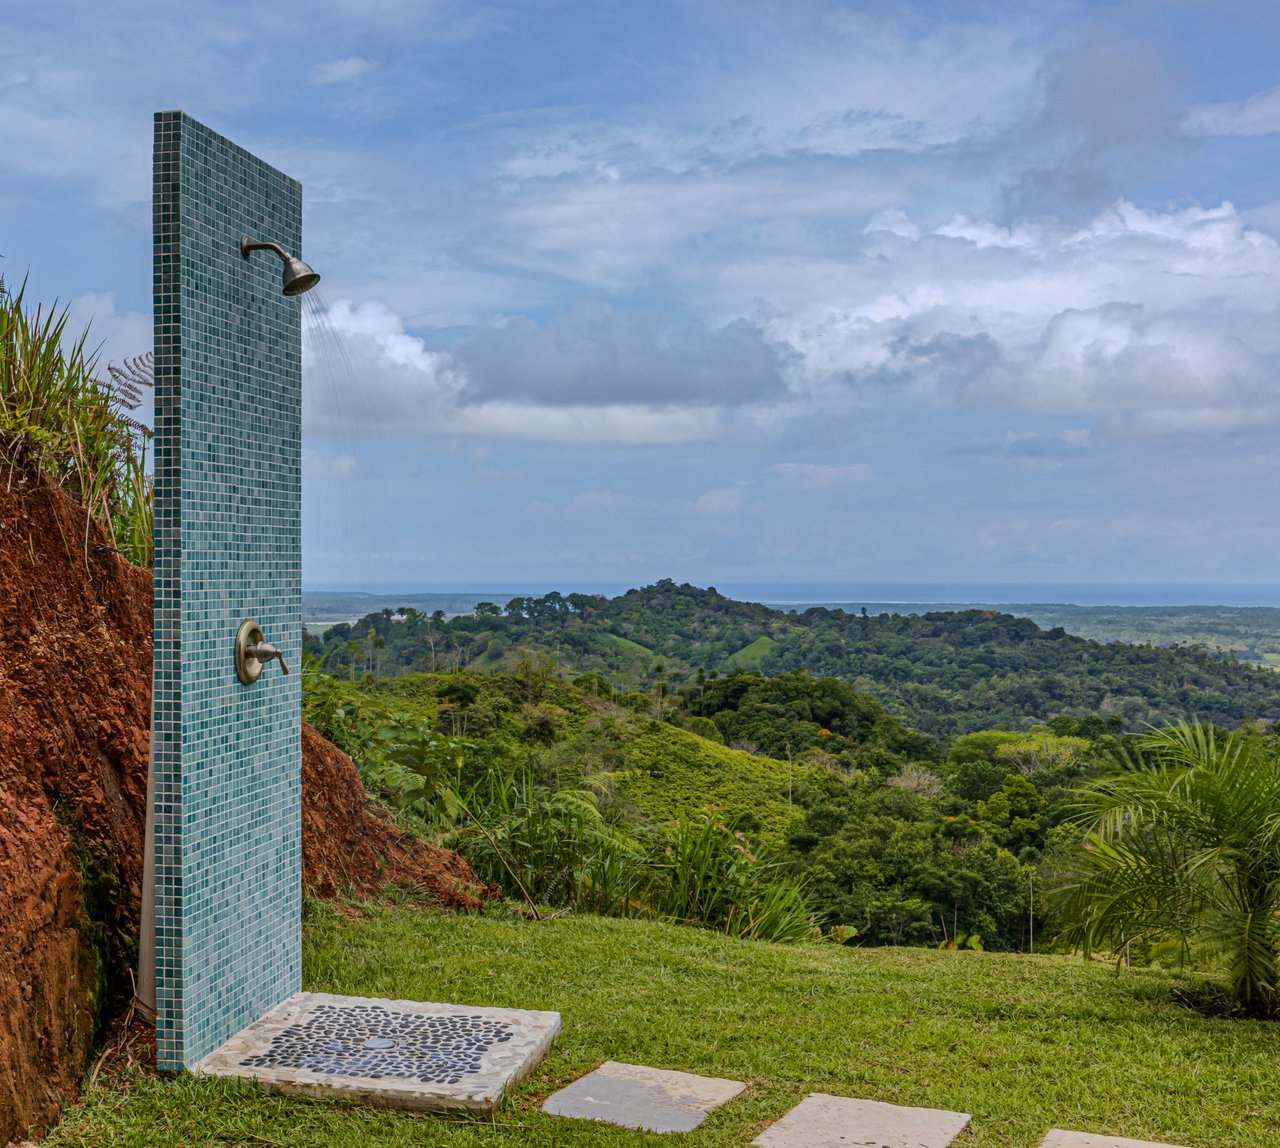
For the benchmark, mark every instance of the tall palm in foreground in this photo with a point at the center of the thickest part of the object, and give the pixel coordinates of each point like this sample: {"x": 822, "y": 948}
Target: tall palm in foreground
{"x": 1184, "y": 846}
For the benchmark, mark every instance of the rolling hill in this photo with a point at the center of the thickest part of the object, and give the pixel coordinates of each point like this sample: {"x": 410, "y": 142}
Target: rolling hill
{"x": 942, "y": 672}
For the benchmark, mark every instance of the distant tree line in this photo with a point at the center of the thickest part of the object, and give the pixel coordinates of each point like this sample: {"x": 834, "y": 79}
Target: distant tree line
{"x": 943, "y": 673}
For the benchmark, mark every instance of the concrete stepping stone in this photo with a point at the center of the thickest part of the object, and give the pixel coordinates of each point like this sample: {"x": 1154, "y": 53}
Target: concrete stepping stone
{"x": 821, "y": 1121}
{"x": 1057, "y": 1138}
{"x": 402, "y": 1054}
{"x": 652, "y": 1099}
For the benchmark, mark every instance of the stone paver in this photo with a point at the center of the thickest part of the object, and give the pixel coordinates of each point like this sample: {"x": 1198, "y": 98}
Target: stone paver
{"x": 403, "y": 1054}
{"x": 633, "y": 1096}
{"x": 821, "y": 1121}
{"x": 1057, "y": 1138}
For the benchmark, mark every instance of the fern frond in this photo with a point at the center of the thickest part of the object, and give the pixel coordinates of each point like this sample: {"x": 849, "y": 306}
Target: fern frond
{"x": 129, "y": 381}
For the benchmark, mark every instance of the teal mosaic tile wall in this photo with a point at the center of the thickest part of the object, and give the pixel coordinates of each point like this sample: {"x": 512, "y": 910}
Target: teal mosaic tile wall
{"x": 228, "y": 483}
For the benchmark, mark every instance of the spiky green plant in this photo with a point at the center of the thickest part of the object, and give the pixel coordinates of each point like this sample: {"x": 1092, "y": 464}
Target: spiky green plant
{"x": 60, "y": 420}
{"x": 709, "y": 874}
{"x": 1184, "y": 848}
{"x": 555, "y": 845}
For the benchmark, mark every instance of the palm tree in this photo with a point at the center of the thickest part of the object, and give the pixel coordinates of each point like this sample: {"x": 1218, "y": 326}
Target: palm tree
{"x": 1184, "y": 847}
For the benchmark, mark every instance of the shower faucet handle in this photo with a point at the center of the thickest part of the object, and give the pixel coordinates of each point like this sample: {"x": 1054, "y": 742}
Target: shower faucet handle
{"x": 264, "y": 652}
{"x": 253, "y": 652}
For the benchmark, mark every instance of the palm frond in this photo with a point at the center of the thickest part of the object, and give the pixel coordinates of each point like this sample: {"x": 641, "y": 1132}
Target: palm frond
{"x": 1184, "y": 846}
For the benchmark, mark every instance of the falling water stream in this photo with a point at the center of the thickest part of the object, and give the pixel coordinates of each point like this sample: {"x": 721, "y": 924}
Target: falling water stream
{"x": 332, "y": 392}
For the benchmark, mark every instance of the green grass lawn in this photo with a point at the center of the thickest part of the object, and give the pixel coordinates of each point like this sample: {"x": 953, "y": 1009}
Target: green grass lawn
{"x": 1023, "y": 1043}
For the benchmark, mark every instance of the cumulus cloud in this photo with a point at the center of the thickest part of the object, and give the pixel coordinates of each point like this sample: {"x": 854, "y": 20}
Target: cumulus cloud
{"x": 365, "y": 374}
{"x": 1148, "y": 321}
{"x": 112, "y": 335}
{"x": 718, "y": 504}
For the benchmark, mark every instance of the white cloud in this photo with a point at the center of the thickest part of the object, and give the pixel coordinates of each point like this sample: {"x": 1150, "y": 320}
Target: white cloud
{"x": 718, "y": 504}
{"x": 895, "y": 221}
{"x": 620, "y": 425}
{"x": 342, "y": 71}
{"x": 114, "y": 335}
{"x": 1147, "y": 320}
{"x": 365, "y": 375}
{"x": 1258, "y": 115}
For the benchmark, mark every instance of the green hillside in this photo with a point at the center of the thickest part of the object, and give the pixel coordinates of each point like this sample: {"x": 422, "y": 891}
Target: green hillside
{"x": 629, "y": 646}
{"x": 888, "y": 832}
{"x": 633, "y": 759}
{"x": 671, "y": 772}
{"x": 944, "y": 673}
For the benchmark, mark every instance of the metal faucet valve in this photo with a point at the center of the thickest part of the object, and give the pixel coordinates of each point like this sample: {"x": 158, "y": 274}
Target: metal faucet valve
{"x": 264, "y": 652}
{"x": 253, "y": 653}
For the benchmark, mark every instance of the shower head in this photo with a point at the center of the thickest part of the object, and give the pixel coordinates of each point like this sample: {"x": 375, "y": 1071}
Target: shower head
{"x": 298, "y": 276}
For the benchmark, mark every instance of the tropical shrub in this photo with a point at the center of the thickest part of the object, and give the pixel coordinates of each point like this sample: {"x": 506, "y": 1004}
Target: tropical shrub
{"x": 707, "y": 873}
{"x": 1183, "y": 850}
{"x": 550, "y": 847}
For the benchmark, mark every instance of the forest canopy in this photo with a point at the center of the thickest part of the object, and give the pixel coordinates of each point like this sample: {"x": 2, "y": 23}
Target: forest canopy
{"x": 941, "y": 672}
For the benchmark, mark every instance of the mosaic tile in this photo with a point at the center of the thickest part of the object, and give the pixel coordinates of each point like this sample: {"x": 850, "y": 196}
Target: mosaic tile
{"x": 404, "y": 1054}
{"x": 228, "y": 404}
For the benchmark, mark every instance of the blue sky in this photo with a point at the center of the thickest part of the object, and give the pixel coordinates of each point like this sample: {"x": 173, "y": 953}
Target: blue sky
{"x": 721, "y": 291}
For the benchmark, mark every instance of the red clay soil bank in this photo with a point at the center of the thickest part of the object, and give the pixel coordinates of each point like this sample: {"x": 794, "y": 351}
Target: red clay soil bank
{"x": 75, "y": 706}
{"x": 351, "y": 845}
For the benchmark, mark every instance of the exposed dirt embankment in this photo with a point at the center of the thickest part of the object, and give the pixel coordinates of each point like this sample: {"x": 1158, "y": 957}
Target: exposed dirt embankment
{"x": 75, "y": 703}
{"x": 75, "y": 698}
{"x": 350, "y": 844}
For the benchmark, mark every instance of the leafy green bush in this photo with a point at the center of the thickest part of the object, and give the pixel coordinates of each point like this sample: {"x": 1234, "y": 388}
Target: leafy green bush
{"x": 397, "y": 754}
{"x": 1185, "y": 848}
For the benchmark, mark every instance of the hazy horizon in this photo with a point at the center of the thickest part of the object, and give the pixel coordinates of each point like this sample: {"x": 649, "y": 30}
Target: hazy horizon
{"x": 1239, "y": 595}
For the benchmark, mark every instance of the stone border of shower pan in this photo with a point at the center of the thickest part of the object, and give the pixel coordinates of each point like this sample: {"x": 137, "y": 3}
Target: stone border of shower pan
{"x": 413, "y": 1055}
